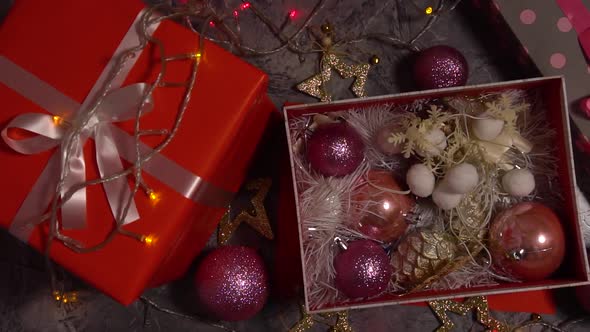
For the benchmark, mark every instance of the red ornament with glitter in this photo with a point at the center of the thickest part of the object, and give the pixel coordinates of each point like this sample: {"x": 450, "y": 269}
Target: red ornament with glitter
{"x": 527, "y": 241}
{"x": 440, "y": 67}
{"x": 335, "y": 149}
{"x": 232, "y": 283}
{"x": 362, "y": 269}
{"x": 384, "y": 211}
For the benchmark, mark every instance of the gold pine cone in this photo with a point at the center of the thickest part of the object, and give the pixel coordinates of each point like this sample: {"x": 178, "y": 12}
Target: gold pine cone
{"x": 420, "y": 255}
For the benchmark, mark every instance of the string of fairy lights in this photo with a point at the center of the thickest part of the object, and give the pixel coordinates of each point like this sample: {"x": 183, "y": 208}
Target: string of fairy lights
{"x": 228, "y": 23}
{"x": 190, "y": 12}
{"x": 75, "y": 130}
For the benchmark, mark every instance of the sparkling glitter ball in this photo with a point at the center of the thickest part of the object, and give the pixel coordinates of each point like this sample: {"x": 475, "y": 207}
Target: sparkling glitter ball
{"x": 362, "y": 270}
{"x": 440, "y": 67}
{"x": 335, "y": 149}
{"x": 231, "y": 283}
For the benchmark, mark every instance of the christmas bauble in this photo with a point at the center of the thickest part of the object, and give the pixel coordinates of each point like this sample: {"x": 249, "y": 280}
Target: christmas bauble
{"x": 384, "y": 213}
{"x": 383, "y": 140}
{"x": 362, "y": 270}
{"x": 440, "y": 67}
{"x": 232, "y": 283}
{"x": 527, "y": 241}
{"x": 335, "y": 149}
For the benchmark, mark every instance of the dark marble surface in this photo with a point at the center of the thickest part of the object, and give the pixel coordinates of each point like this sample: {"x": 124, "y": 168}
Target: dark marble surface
{"x": 24, "y": 301}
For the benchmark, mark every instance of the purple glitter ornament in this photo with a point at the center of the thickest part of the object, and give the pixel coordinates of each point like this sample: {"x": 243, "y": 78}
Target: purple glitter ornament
{"x": 362, "y": 270}
{"x": 335, "y": 149}
{"x": 440, "y": 67}
{"x": 232, "y": 283}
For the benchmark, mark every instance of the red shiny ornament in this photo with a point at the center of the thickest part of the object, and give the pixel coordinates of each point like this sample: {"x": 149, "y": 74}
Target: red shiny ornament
{"x": 440, "y": 67}
{"x": 335, "y": 149}
{"x": 362, "y": 270}
{"x": 231, "y": 283}
{"x": 527, "y": 241}
{"x": 385, "y": 212}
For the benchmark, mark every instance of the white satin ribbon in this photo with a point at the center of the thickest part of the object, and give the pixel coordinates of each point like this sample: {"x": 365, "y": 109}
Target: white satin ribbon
{"x": 119, "y": 105}
{"x": 112, "y": 144}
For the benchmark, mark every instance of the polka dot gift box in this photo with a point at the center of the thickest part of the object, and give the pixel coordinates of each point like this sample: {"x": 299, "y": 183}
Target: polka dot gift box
{"x": 555, "y": 35}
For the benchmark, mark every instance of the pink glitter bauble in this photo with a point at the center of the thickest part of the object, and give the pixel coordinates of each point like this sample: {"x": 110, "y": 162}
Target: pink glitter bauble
{"x": 232, "y": 283}
{"x": 335, "y": 149}
{"x": 362, "y": 270}
{"x": 440, "y": 67}
{"x": 527, "y": 242}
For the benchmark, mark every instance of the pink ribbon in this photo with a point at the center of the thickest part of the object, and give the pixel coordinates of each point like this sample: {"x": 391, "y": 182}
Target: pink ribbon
{"x": 111, "y": 142}
{"x": 579, "y": 17}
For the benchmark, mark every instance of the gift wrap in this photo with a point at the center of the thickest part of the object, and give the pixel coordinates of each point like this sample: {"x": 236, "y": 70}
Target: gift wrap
{"x": 555, "y": 35}
{"x": 54, "y": 59}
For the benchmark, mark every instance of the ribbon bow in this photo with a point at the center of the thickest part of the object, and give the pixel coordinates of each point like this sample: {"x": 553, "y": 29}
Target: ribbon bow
{"x": 119, "y": 105}
{"x": 112, "y": 143}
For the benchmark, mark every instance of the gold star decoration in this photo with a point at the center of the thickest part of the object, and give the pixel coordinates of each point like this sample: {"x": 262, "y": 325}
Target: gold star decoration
{"x": 257, "y": 218}
{"x": 305, "y": 323}
{"x": 315, "y": 85}
{"x": 342, "y": 324}
{"x": 308, "y": 321}
{"x": 479, "y": 303}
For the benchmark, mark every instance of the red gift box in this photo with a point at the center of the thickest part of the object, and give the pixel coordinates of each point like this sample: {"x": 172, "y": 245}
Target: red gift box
{"x": 574, "y": 269}
{"x": 67, "y": 44}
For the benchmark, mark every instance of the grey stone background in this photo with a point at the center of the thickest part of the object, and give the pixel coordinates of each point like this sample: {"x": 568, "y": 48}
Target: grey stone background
{"x": 24, "y": 301}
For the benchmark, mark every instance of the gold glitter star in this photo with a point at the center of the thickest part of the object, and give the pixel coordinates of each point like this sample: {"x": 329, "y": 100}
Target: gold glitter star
{"x": 256, "y": 219}
{"x": 342, "y": 324}
{"x": 308, "y": 321}
{"x": 305, "y": 323}
{"x": 315, "y": 85}
{"x": 479, "y": 303}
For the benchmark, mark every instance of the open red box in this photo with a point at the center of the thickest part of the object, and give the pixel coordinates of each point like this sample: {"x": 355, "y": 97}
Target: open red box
{"x": 574, "y": 269}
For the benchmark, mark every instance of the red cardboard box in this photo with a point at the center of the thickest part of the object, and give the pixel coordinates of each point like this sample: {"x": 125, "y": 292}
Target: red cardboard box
{"x": 574, "y": 269}
{"x": 67, "y": 44}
